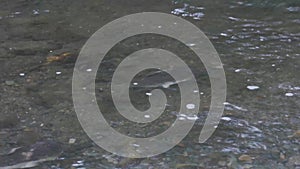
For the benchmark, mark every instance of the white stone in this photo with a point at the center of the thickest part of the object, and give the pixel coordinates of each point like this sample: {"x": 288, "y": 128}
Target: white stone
{"x": 190, "y": 106}
{"x": 252, "y": 87}
{"x": 289, "y": 94}
{"x": 226, "y": 118}
{"x": 72, "y": 140}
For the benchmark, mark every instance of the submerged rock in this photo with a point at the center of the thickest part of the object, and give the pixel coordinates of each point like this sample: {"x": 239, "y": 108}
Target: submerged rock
{"x": 245, "y": 158}
{"x": 8, "y": 121}
{"x": 9, "y": 82}
{"x": 294, "y": 162}
{"x": 31, "y": 155}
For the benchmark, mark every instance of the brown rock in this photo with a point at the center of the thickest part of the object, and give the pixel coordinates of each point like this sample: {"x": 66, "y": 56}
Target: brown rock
{"x": 245, "y": 158}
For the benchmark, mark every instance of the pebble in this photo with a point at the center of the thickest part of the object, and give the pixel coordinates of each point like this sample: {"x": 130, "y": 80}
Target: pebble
{"x": 294, "y": 161}
{"x": 9, "y": 82}
{"x": 252, "y": 87}
{"x": 246, "y": 158}
{"x": 296, "y": 134}
{"x": 35, "y": 12}
{"x": 237, "y": 70}
{"x": 289, "y": 94}
{"x": 223, "y": 34}
{"x": 226, "y": 118}
{"x": 72, "y": 140}
{"x": 190, "y": 106}
{"x": 222, "y": 163}
{"x": 281, "y": 156}
{"x": 77, "y": 165}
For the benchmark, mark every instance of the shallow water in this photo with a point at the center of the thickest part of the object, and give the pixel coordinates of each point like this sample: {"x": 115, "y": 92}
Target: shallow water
{"x": 258, "y": 43}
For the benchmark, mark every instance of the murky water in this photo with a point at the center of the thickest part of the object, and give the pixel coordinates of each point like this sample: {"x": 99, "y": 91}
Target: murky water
{"x": 258, "y": 42}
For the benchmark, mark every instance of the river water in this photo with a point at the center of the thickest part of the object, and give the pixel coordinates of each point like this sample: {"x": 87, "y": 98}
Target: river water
{"x": 257, "y": 41}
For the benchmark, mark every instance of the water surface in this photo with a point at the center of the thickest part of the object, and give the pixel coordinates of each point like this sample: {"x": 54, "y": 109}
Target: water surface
{"x": 258, "y": 43}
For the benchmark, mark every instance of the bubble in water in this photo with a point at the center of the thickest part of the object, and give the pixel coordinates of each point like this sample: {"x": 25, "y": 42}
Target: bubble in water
{"x": 190, "y": 106}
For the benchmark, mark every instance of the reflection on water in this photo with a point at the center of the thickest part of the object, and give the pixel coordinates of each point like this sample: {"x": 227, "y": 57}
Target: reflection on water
{"x": 187, "y": 10}
{"x": 258, "y": 42}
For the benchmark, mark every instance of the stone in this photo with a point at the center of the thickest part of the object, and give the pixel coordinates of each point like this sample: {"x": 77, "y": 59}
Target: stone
{"x": 9, "y": 82}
